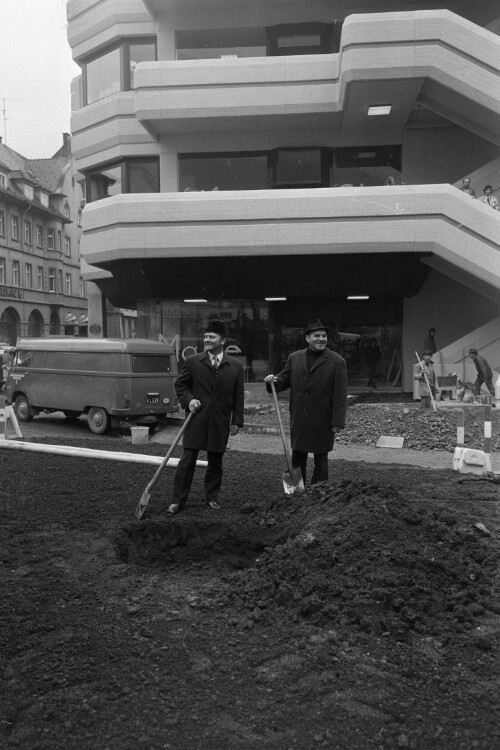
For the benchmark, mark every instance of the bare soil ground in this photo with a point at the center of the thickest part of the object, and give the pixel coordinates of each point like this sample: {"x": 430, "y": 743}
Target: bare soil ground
{"x": 362, "y": 614}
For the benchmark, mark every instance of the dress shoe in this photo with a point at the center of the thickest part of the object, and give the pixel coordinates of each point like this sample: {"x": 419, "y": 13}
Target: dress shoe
{"x": 173, "y": 509}
{"x": 213, "y": 505}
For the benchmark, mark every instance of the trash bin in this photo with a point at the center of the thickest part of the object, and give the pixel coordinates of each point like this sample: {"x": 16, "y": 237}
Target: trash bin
{"x": 140, "y": 435}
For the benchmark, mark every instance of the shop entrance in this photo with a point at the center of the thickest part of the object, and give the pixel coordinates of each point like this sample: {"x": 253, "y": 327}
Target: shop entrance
{"x": 372, "y": 353}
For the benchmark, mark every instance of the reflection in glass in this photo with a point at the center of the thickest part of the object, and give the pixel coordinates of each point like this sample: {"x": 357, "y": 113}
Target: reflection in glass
{"x": 103, "y": 76}
{"x": 225, "y": 172}
{"x": 140, "y": 52}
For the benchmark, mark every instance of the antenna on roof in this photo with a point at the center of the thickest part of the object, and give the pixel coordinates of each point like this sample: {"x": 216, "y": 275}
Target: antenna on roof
{"x": 6, "y": 99}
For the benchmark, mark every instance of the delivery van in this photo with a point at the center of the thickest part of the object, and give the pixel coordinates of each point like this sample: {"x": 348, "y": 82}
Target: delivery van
{"x": 109, "y": 380}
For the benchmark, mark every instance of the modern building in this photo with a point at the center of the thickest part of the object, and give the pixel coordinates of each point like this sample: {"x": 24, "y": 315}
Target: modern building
{"x": 42, "y": 290}
{"x": 272, "y": 161}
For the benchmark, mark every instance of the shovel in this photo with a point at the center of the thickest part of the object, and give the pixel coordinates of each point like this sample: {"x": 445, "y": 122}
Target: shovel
{"x": 292, "y": 479}
{"x": 147, "y": 492}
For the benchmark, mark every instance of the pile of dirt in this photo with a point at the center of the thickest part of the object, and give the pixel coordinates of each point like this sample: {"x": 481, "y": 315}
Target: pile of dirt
{"x": 359, "y": 554}
{"x": 422, "y": 429}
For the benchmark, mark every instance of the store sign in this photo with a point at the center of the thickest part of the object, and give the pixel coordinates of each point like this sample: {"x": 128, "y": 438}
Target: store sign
{"x": 12, "y": 292}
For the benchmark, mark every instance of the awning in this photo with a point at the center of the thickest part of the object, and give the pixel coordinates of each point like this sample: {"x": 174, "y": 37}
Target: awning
{"x": 83, "y": 320}
{"x": 70, "y": 318}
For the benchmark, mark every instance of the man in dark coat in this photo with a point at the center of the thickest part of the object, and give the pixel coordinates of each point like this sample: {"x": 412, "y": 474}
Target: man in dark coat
{"x": 317, "y": 379}
{"x": 484, "y": 373}
{"x": 211, "y": 386}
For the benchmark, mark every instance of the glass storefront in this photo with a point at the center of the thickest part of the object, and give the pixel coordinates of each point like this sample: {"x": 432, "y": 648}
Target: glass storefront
{"x": 182, "y": 325}
{"x": 263, "y": 344}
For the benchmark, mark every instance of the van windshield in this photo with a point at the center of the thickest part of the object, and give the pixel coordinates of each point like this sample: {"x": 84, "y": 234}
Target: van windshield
{"x": 150, "y": 363}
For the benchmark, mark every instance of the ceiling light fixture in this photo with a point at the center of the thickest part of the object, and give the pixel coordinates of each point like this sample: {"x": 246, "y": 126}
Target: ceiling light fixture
{"x": 275, "y": 299}
{"x": 195, "y": 300}
{"x": 379, "y": 109}
{"x": 359, "y": 296}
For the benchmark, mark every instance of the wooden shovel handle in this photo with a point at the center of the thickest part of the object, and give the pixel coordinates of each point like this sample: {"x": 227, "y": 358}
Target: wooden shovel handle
{"x": 281, "y": 428}
{"x": 170, "y": 451}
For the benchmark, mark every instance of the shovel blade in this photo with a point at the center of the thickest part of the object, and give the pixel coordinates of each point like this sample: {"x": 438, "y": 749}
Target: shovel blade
{"x": 142, "y": 504}
{"x": 293, "y": 482}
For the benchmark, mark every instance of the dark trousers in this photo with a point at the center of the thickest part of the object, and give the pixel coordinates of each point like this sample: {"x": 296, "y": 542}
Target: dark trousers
{"x": 488, "y": 383}
{"x": 320, "y": 473}
{"x": 184, "y": 474}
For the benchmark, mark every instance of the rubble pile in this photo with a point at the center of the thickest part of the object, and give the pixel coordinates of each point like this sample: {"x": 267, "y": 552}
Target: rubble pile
{"x": 358, "y": 555}
{"x": 422, "y": 429}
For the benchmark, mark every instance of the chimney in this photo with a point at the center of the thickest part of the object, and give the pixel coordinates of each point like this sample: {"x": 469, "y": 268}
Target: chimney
{"x": 66, "y": 149}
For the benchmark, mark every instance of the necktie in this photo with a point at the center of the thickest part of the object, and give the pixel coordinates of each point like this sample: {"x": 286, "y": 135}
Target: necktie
{"x": 215, "y": 363}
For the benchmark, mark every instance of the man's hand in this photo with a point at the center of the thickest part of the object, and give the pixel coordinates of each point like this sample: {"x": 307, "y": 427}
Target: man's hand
{"x": 270, "y": 379}
{"x": 194, "y": 405}
{"x": 234, "y": 429}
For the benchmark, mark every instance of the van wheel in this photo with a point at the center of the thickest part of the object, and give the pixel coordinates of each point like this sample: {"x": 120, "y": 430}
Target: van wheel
{"x": 98, "y": 420}
{"x": 23, "y": 409}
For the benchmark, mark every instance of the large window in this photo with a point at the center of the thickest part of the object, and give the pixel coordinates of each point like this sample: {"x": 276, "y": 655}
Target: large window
{"x": 290, "y": 168}
{"x": 128, "y": 176}
{"x": 2, "y": 224}
{"x": 39, "y": 279}
{"x": 16, "y": 273}
{"x": 39, "y": 235}
{"x": 286, "y": 39}
{"x": 27, "y": 232}
{"x": 14, "y": 227}
{"x": 29, "y": 276}
{"x": 3, "y": 275}
{"x": 112, "y": 69}
{"x": 367, "y": 165}
{"x": 51, "y": 239}
{"x": 223, "y": 172}
{"x": 102, "y": 76}
{"x": 52, "y": 279}
{"x": 69, "y": 287}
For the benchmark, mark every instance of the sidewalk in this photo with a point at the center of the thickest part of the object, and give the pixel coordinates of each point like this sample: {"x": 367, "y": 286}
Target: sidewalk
{"x": 269, "y": 443}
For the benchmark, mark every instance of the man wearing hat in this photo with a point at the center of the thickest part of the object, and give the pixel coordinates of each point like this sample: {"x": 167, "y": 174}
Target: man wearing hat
{"x": 317, "y": 378}
{"x": 484, "y": 373}
{"x": 211, "y": 386}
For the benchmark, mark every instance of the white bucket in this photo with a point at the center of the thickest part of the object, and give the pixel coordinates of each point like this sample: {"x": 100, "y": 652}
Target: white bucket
{"x": 140, "y": 435}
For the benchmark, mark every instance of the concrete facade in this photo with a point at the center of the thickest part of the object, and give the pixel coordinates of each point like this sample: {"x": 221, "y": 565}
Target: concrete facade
{"x": 421, "y": 245}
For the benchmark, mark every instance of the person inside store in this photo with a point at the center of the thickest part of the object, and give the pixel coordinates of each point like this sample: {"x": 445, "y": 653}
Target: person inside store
{"x": 466, "y": 187}
{"x": 488, "y": 198}
{"x": 430, "y": 341}
{"x": 317, "y": 379}
{"x": 484, "y": 373}
{"x": 426, "y": 376}
{"x": 211, "y": 387}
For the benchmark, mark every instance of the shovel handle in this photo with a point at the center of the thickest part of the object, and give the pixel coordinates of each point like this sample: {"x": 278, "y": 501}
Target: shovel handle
{"x": 170, "y": 451}
{"x": 281, "y": 428}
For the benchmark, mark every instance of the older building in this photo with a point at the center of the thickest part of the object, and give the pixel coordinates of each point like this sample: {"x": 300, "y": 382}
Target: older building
{"x": 271, "y": 161}
{"x": 42, "y": 291}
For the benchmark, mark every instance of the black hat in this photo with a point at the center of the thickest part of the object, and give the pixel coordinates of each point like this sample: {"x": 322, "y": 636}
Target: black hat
{"x": 472, "y": 351}
{"x": 316, "y": 325}
{"x": 218, "y": 327}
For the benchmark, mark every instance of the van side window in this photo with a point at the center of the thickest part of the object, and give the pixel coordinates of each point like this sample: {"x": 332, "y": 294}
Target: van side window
{"x": 150, "y": 363}
{"x": 24, "y": 359}
{"x": 87, "y": 361}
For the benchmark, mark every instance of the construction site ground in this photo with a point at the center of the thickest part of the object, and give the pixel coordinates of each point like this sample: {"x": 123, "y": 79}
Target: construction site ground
{"x": 364, "y": 613}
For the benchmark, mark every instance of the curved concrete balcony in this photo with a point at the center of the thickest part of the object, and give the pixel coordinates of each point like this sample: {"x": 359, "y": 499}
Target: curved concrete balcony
{"x": 438, "y": 220}
{"x": 94, "y": 23}
{"x": 108, "y": 129}
{"x": 436, "y": 58}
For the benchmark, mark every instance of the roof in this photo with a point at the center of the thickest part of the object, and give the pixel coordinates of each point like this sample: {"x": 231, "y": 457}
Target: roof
{"x": 45, "y": 173}
{"x": 49, "y": 171}
{"x": 70, "y": 344}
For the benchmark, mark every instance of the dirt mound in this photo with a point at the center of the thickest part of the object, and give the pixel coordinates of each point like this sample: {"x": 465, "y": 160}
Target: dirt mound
{"x": 358, "y": 554}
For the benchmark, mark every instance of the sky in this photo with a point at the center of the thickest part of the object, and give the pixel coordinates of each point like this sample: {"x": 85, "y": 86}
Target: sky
{"x": 36, "y": 69}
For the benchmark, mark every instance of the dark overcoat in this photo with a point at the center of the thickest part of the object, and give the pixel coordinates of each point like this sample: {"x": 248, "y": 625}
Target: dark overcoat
{"x": 221, "y": 394}
{"x": 318, "y": 399}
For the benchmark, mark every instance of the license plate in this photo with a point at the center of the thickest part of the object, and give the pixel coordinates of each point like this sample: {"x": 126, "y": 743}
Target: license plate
{"x": 153, "y": 398}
